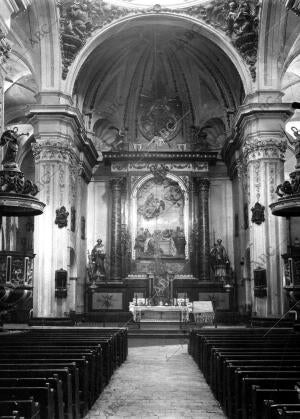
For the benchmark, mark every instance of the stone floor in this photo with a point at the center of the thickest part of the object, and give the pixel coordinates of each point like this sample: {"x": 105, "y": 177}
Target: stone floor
{"x": 160, "y": 381}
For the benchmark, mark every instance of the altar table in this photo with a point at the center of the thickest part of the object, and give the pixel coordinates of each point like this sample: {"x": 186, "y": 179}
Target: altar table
{"x": 160, "y": 313}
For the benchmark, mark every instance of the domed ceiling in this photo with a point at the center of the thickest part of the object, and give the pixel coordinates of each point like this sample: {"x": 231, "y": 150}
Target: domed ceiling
{"x": 159, "y": 84}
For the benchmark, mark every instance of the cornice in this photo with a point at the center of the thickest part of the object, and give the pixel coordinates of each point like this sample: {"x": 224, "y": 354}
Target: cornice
{"x": 210, "y": 156}
{"x": 262, "y": 110}
{"x": 85, "y": 144}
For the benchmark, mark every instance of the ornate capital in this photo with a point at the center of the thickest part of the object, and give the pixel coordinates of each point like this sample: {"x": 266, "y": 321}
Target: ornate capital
{"x": 48, "y": 150}
{"x": 117, "y": 183}
{"x": 256, "y": 148}
{"x": 202, "y": 184}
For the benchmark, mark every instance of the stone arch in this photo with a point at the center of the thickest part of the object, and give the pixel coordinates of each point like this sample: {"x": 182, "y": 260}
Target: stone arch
{"x": 193, "y": 24}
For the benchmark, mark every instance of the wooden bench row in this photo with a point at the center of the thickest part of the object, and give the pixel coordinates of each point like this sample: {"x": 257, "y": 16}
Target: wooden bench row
{"x": 58, "y": 373}
{"x": 250, "y": 370}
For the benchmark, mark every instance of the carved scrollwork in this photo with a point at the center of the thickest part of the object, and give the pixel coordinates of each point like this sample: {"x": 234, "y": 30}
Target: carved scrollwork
{"x": 14, "y": 181}
{"x": 238, "y": 19}
{"x": 159, "y": 172}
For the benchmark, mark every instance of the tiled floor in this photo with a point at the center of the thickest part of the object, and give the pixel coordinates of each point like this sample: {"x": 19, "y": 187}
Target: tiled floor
{"x": 157, "y": 382}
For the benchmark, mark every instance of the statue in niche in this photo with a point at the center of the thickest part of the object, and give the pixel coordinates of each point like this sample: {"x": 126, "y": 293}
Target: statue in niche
{"x": 219, "y": 260}
{"x": 61, "y": 217}
{"x": 97, "y": 258}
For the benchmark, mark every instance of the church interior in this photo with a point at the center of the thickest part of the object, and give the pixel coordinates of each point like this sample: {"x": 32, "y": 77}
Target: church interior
{"x": 149, "y": 195}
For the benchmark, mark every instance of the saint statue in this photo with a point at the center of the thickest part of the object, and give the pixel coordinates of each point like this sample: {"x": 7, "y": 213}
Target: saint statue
{"x": 10, "y": 139}
{"x": 97, "y": 257}
{"x": 219, "y": 260}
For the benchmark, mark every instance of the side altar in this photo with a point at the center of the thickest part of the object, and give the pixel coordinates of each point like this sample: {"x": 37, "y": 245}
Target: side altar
{"x": 159, "y": 232}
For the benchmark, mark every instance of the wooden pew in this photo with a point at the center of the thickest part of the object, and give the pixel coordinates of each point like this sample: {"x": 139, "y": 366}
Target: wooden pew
{"x": 246, "y": 358}
{"x": 26, "y": 408}
{"x": 54, "y": 383}
{"x": 273, "y": 410}
{"x": 43, "y": 395}
{"x": 62, "y": 374}
{"x": 81, "y": 359}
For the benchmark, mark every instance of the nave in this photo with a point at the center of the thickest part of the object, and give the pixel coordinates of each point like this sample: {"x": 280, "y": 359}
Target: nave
{"x": 158, "y": 380}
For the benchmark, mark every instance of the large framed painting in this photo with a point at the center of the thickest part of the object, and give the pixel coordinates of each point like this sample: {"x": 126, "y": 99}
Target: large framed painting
{"x": 160, "y": 218}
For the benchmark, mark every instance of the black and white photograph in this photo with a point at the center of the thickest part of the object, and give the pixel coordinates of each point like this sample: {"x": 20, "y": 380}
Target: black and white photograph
{"x": 149, "y": 209}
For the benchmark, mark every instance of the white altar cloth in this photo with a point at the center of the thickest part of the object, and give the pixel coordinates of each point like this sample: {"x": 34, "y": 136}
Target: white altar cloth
{"x": 140, "y": 312}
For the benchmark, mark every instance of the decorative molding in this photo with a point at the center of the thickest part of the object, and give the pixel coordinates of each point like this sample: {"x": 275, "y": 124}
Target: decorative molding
{"x": 183, "y": 157}
{"x": 255, "y": 148}
{"x": 237, "y": 19}
{"x": 145, "y": 167}
{"x": 159, "y": 172}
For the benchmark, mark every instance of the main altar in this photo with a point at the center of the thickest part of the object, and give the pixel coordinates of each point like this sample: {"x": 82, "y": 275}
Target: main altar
{"x": 157, "y": 173}
{"x": 160, "y": 313}
{"x": 159, "y": 233}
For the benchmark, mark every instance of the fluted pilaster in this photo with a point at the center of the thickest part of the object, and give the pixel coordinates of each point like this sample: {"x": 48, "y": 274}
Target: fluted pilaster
{"x": 203, "y": 245}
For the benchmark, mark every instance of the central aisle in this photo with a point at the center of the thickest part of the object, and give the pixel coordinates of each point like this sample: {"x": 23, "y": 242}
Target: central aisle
{"x": 157, "y": 382}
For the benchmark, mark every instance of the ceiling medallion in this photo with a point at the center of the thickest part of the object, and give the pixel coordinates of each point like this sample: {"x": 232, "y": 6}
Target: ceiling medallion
{"x": 160, "y": 119}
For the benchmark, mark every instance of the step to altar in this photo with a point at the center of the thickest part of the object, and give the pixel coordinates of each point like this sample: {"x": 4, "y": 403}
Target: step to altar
{"x": 155, "y": 333}
{"x": 148, "y": 324}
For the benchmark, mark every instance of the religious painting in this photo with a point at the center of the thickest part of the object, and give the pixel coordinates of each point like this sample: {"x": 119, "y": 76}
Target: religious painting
{"x": 160, "y": 220}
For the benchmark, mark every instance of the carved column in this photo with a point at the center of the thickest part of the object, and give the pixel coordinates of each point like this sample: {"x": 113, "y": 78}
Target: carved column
{"x": 203, "y": 245}
{"x": 53, "y": 161}
{"x": 62, "y": 173}
{"x": 263, "y": 151}
{"x": 116, "y": 229}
